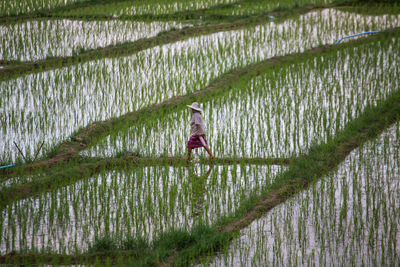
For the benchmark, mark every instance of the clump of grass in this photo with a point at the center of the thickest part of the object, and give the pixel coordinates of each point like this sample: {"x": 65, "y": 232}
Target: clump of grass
{"x": 109, "y": 243}
{"x": 104, "y": 243}
{"x": 126, "y": 152}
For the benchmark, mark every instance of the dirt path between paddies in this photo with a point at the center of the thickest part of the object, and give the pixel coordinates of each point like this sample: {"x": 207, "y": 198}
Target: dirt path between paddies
{"x": 85, "y": 137}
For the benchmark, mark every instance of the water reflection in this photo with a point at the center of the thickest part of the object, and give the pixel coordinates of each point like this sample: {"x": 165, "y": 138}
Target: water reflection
{"x": 199, "y": 183}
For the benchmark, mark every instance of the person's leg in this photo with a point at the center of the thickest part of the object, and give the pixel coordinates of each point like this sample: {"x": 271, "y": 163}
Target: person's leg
{"x": 189, "y": 153}
{"x": 203, "y": 142}
{"x": 209, "y": 152}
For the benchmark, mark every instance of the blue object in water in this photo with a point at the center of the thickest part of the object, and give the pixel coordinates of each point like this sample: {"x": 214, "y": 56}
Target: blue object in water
{"x": 271, "y": 17}
{"x": 7, "y": 166}
{"x": 354, "y": 35}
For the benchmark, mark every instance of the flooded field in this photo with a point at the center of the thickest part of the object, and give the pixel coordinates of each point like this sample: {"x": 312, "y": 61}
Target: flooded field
{"x": 280, "y": 113}
{"x": 143, "y": 201}
{"x": 66, "y": 99}
{"x": 39, "y": 39}
{"x": 111, "y": 184}
{"x": 350, "y": 217}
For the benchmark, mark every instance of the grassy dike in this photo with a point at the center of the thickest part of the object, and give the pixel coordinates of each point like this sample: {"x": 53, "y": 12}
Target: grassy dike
{"x": 180, "y": 248}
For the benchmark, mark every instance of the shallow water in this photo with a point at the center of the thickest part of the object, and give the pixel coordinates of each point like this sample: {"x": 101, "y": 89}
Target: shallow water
{"x": 16, "y": 7}
{"x": 142, "y": 201}
{"x": 350, "y": 217}
{"x": 14, "y": 181}
{"x": 35, "y": 40}
{"x": 257, "y": 7}
{"x": 143, "y": 7}
{"x": 51, "y": 105}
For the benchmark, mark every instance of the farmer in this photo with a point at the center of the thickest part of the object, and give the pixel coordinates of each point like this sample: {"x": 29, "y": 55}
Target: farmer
{"x": 197, "y": 138}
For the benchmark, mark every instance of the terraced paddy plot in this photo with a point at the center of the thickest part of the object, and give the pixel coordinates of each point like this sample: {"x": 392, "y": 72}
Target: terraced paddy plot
{"x": 350, "y": 217}
{"x": 261, "y": 6}
{"x": 16, "y": 7}
{"x": 280, "y": 113}
{"x": 143, "y": 7}
{"x": 143, "y": 201}
{"x": 51, "y": 105}
{"x": 34, "y": 40}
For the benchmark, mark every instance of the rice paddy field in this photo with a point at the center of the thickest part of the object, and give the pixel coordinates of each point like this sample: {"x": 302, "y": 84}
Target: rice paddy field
{"x": 142, "y": 7}
{"x": 130, "y": 202}
{"x": 106, "y": 88}
{"x": 349, "y": 217}
{"x": 255, "y": 119}
{"x": 61, "y": 38}
{"x": 17, "y": 7}
{"x": 209, "y": 7}
{"x": 305, "y": 132}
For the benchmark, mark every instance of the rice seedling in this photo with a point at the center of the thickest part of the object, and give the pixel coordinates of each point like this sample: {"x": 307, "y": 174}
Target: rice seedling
{"x": 280, "y": 113}
{"x": 17, "y": 7}
{"x": 17, "y": 181}
{"x": 142, "y": 201}
{"x": 143, "y": 7}
{"x": 38, "y": 39}
{"x": 350, "y": 217}
{"x": 260, "y": 6}
{"x": 52, "y": 105}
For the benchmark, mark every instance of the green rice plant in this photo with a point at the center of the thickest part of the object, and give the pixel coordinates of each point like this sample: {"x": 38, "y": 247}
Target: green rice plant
{"x": 58, "y": 38}
{"x": 17, "y": 181}
{"x": 51, "y": 105}
{"x": 143, "y": 7}
{"x": 252, "y": 7}
{"x": 101, "y": 212}
{"x": 349, "y": 217}
{"x": 279, "y": 113}
{"x": 17, "y": 7}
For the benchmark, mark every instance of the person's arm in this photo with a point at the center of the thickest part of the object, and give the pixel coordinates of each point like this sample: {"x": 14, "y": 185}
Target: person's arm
{"x": 198, "y": 129}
